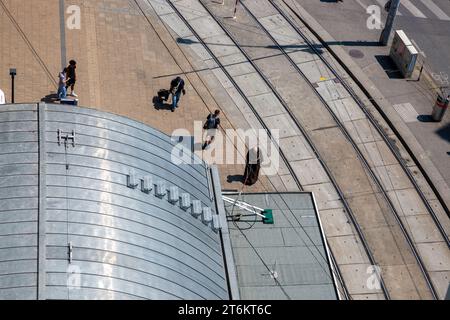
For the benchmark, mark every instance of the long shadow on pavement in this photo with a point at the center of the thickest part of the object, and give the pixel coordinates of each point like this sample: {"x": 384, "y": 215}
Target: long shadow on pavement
{"x": 425, "y": 118}
{"x": 389, "y": 67}
{"x": 444, "y": 133}
{"x": 303, "y": 47}
{"x": 50, "y": 98}
{"x": 235, "y": 178}
{"x": 161, "y": 105}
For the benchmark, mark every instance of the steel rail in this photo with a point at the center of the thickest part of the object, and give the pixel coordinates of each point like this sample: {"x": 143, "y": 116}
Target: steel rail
{"x": 223, "y": 68}
{"x": 299, "y": 126}
{"x": 352, "y": 142}
{"x": 373, "y": 122}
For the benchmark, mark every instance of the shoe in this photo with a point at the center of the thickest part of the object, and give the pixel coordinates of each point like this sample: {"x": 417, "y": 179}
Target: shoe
{"x": 173, "y": 110}
{"x": 73, "y": 94}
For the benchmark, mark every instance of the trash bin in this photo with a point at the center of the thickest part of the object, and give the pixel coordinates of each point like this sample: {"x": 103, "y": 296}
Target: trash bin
{"x": 439, "y": 108}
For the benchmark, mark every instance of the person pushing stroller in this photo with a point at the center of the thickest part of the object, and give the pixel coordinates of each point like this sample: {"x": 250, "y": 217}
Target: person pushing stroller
{"x": 176, "y": 88}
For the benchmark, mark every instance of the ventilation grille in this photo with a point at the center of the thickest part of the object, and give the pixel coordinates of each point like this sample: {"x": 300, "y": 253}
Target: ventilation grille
{"x": 184, "y": 200}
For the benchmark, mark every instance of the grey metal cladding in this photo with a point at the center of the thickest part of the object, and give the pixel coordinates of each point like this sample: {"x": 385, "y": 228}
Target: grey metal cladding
{"x": 153, "y": 264}
{"x": 19, "y": 293}
{"x": 25, "y": 266}
{"x": 18, "y": 201}
{"x": 162, "y": 210}
{"x": 134, "y": 150}
{"x": 125, "y": 244}
{"x": 55, "y": 293}
{"x": 178, "y": 239}
{"x": 121, "y": 129}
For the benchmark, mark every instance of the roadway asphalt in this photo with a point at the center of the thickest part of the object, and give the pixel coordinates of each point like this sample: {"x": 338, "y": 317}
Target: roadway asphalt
{"x": 413, "y": 101}
{"x": 427, "y": 22}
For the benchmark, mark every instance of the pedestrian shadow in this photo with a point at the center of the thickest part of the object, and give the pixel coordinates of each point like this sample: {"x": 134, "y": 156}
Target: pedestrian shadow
{"x": 235, "y": 178}
{"x": 444, "y": 133}
{"x": 300, "y": 47}
{"x": 389, "y": 67}
{"x": 425, "y": 118}
{"x": 315, "y": 49}
{"x": 50, "y": 98}
{"x": 230, "y": 191}
{"x": 161, "y": 105}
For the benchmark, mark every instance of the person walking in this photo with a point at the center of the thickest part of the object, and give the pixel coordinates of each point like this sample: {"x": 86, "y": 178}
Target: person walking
{"x": 176, "y": 88}
{"x": 212, "y": 124}
{"x": 2, "y": 97}
{"x": 62, "y": 91}
{"x": 71, "y": 77}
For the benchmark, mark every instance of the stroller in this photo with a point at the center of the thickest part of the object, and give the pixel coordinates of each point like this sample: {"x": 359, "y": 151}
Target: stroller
{"x": 163, "y": 95}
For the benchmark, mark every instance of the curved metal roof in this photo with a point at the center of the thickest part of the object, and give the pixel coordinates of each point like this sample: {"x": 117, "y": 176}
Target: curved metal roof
{"x": 72, "y": 226}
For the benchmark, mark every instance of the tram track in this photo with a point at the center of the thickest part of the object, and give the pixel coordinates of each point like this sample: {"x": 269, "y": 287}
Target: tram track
{"x": 305, "y": 134}
{"x": 343, "y": 129}
{"x": 341, "y": 286}
{"x": 361, "y": 157}
{"x": 353, "y": 143}
{"x": 394, "y": 150}
{"x": 373, "y": 122}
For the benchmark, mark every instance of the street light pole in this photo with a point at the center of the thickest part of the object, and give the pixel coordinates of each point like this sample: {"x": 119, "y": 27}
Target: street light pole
{"x": 235, "y": 9}
{"x": 12, "y": 73}
{"x": 393, "y": 8}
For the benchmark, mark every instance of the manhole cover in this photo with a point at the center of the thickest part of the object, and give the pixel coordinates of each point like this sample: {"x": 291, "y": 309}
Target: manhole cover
{"x": 356, "y": 54}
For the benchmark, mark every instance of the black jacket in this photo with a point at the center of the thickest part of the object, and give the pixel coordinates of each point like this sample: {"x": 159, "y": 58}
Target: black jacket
{"x": 212, "y": 122}
{"x": 177, "y": 86}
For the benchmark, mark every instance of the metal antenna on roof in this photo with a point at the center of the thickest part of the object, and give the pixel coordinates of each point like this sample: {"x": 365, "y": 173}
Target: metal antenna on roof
{"x": 273, "y": 272}
{"x": 265, "y": 214}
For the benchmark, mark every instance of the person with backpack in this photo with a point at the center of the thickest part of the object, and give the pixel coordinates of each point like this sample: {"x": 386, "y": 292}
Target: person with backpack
{"x": 212, "y": 121}
{"x": 176, "y": 88}
{"x": 212, "y": 124}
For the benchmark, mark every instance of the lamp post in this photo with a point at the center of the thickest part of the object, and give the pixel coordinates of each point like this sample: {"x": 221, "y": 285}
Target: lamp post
{"x": 12, "y": 73}
{"x": 392, "y": 6}
{"x": 235, "y": 9}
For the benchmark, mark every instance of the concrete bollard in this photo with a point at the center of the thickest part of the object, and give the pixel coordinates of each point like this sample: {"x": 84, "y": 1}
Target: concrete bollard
{"x": 440, "y": 107}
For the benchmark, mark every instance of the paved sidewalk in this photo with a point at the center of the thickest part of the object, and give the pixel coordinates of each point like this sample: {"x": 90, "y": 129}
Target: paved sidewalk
{"x": 410, "y": 101}
{"x": 123, "y": 60}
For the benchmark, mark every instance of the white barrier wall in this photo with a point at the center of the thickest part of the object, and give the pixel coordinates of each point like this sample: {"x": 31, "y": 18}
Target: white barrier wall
{"x": 403, "y": 53}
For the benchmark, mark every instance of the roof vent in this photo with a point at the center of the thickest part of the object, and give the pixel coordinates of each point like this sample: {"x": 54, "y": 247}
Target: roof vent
{"x": 174, "y": 196}
{"x": 207, "y": 216}
{"x": 216, "y": 223}
{"x": 160, "y": 190}
{"x": 131, "y": 180}
{"x": 185, "y": 201}
{"x": 196, "y": 208}
{"x": 147, "y": 184}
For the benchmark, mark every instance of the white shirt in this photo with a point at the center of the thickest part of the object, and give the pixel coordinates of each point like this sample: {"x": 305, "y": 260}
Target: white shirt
{"x": 2, "y": 97}
{"x": 62, "y": 78}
